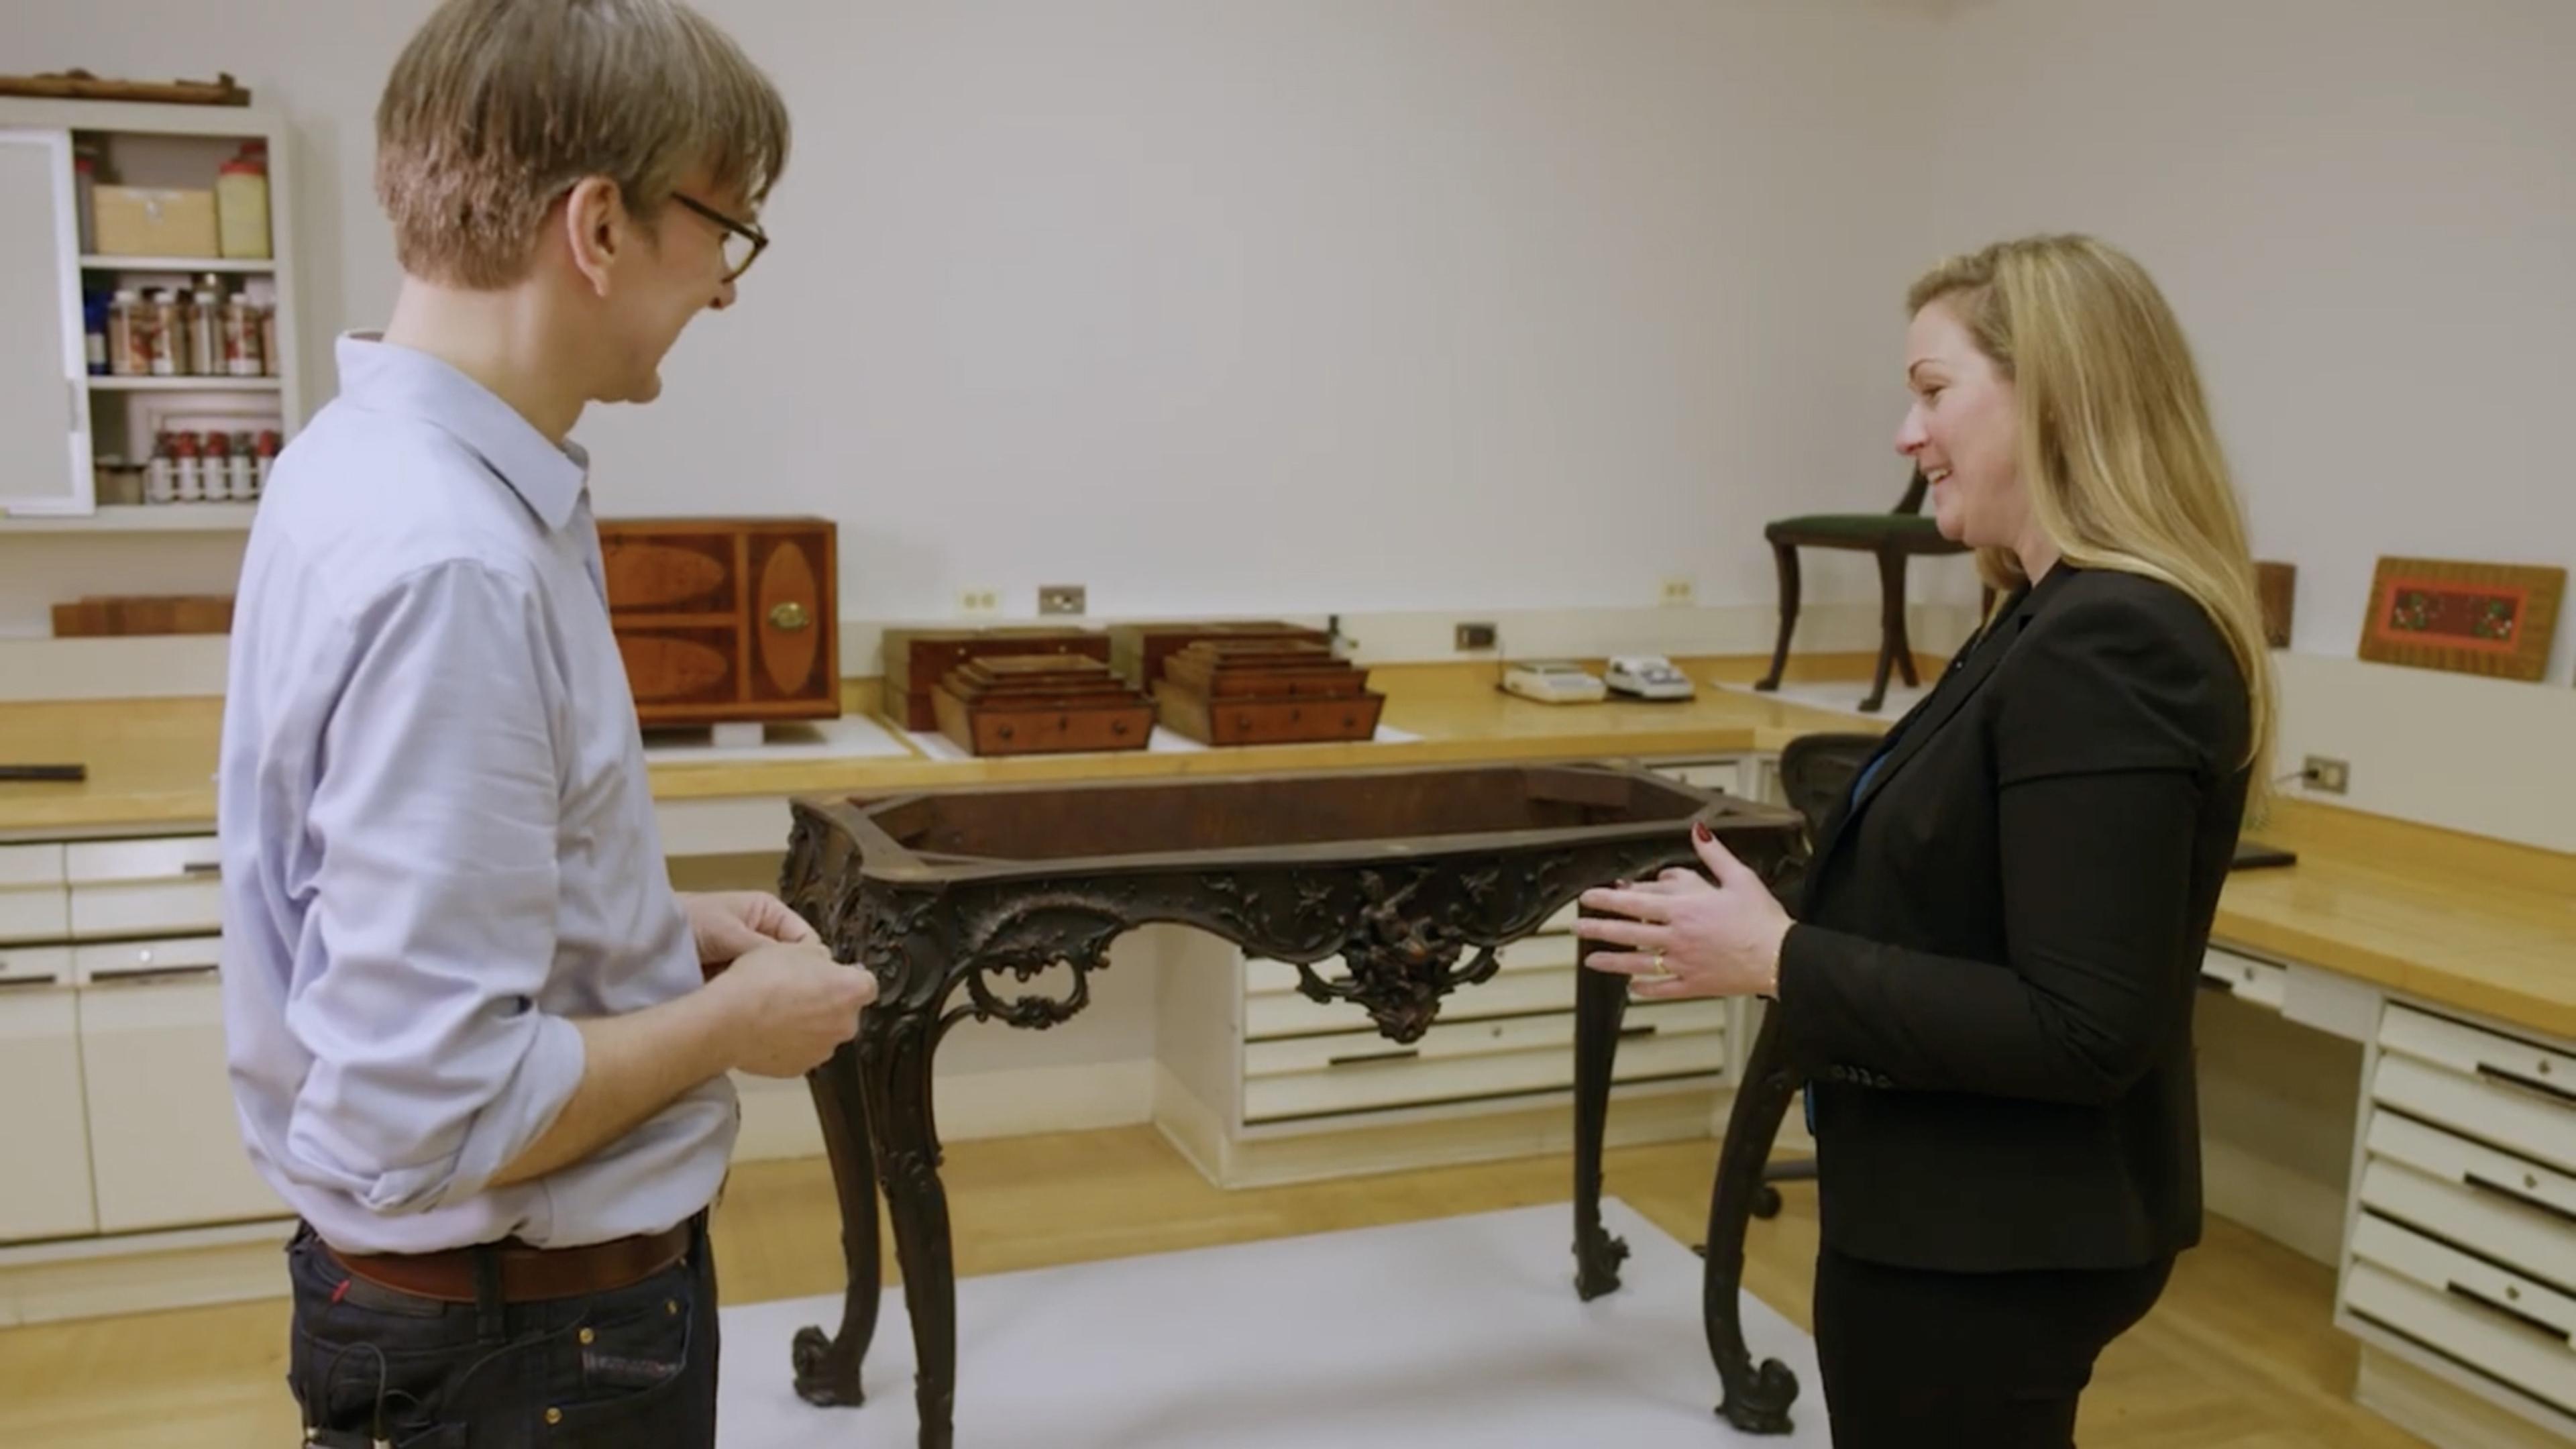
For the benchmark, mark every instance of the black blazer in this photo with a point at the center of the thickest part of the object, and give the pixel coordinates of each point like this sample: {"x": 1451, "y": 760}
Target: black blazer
{"x": 1992, "y": 979}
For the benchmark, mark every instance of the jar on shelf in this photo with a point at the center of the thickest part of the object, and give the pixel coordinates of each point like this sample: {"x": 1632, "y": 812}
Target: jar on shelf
{"x": 205, "y": 329}
{"x": 241, "y": 203}
{"x": 241, "y": 337}
{"x": 95, "y": 307}
{"x": 129, "y": 334}
{"x": 269, "y": 443}
{"x": 241, "y": 469}
{"x": 192, "y": 478}
{"x": 169, "y": 339}
{"x": 268, "y": 359}
{"x": 161, "y": 473}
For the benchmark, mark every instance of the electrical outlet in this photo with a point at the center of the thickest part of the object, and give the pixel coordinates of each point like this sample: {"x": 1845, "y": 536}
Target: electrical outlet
{"x": 1678, "y": 592}
{"x": 1475, "y": 636}
{"x": 1061, "y": 598}
{"x": 2327, "y": 777}
{"x": 980, "y": 601}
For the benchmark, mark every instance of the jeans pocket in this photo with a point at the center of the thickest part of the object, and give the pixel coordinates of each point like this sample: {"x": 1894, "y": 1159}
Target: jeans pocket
{"x": 632, "y": 1353}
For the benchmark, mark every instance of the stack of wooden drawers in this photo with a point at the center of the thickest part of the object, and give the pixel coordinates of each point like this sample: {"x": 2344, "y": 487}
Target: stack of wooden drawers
{"x": 1265, "y": 691}
{"x": 2461, "y": 1257}
{"x": 1035, "y": 704}
{"x": 916, "y": 660}
{"x": 1140, "y": 651}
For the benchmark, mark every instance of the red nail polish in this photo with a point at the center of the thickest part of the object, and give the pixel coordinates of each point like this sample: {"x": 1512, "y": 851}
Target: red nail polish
{"x": 1699, "y": 828}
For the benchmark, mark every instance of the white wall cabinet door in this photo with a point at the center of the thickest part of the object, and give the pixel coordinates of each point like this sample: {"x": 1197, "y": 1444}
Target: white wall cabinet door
{"x": 44, "y": 367}
{"x": 44, "y": 1134}
{"x": 165, "y": 1145}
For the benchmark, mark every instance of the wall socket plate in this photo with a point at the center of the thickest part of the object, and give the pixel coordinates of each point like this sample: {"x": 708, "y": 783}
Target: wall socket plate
{"x": 1061, "y": 598}
{"x": 2326, "y": 776}
{"x": 1678, "y": 592}
{"x": 980, "y": 601}
{"x": 1475, "y": 636}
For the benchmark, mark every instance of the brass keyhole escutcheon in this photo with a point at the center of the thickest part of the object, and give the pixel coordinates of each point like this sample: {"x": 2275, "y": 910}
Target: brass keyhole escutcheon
{"x": 790, "y": 616}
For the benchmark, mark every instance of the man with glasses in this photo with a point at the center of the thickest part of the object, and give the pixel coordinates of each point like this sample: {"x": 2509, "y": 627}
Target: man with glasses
{"x": 477, "y": 1041}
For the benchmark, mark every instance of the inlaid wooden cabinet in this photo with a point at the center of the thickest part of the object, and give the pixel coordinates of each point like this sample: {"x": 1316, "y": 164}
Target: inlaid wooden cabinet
{"x": 725, "y": 620}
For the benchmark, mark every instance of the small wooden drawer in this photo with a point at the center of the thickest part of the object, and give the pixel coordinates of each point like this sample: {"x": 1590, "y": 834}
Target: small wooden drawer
{"x": 138, "y": 962}
{"x": 2445, "y": 1269}
{"x": 1530, "y": 953}
{"x": 1395, "y": 1082}
{"x": 26, "y": 966}
{"x": 2498, "y": 1226}
{"x": 1451, "y": 1039}
{"x": 2493, "y": 1346}
{"x": 2467, "y": 1164}
{"x": 2260, "y": 982}
{"x": 26, "y": 866}
{"x": 2511, "y": 1117}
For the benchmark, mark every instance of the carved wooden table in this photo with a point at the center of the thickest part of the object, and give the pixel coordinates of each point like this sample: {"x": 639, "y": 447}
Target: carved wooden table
{"x": 1414, "y": 877}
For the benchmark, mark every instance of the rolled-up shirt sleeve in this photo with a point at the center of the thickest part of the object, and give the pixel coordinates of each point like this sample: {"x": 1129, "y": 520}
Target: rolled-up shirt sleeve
{"x": 433, "y": 913}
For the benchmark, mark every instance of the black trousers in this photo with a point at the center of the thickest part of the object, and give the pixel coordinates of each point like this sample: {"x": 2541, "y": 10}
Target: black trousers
{"x": 1915, "y": 1359}
{"x": 634, "y": 1368}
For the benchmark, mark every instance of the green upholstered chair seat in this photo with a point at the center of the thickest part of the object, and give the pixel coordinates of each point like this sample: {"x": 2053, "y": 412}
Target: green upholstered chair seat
{"x": 1860, "y": 526}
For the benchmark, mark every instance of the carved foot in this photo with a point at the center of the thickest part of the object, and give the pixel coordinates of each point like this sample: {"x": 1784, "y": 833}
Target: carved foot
{"x": 1597, "y": 1256}
{"x": 938, "y": 1415}
{"x": 1762, "y": 1406}
{"x": 1766, "y": 1202}
{"x": 825, "y": 1375}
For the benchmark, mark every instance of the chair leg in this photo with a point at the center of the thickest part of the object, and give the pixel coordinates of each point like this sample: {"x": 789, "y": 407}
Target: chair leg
{"x": 1891, "y": 627}
{"x": 1766, "y": 1203}
{"x": 1786, "y": 556}
{"x": 1896, "y": 617}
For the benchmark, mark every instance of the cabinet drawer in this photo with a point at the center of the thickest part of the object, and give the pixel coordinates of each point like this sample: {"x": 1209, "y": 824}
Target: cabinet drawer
{"x": 2444, "y": 1269}
{"x": 1722, "y": 775}
{"x": 1530, "y": 953}
{"x": 165, "y": 1142}
{"x": 2466, "y": 1164}
{"x": 147, "y": 960}
{"x": 1377, "y": 1086}
{"x": 2541, "y": 1072}
{"x": 34, "y": 913}
{"x": 2522, "y": 1122}
{"x": 166, "y": 858}
{"x": 1474, "y": 1038}
{"x": 2259, "y": 982}
{"x": 2493, "y": 1224}
{"x": 1516, "y": 994}
{"x": 30, "y": 865}
{"x": 144, "y": 910}
{"x": 2499, "y": 1349}
{"x": 44, "y": 1133}
{"x": 25, "y": 967}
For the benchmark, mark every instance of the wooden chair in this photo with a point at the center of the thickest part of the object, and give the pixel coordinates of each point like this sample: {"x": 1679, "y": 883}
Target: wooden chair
{"x": 1894, "y": 538}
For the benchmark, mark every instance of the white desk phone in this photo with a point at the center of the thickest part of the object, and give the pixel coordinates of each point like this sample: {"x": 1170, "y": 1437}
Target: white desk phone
{"x": 1552, "y": 681}
{"x": 1648, "y": 676}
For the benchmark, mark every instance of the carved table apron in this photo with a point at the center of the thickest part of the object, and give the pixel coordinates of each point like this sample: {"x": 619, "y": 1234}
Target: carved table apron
{"x": 1414, "y": 877}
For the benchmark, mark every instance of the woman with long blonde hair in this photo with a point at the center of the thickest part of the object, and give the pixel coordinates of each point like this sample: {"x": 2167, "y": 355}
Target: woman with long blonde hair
{"x": 1990, "y": 978}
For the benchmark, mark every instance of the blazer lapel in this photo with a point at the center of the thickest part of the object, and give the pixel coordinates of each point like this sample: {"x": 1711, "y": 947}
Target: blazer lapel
{"x": 1968, "y": 673}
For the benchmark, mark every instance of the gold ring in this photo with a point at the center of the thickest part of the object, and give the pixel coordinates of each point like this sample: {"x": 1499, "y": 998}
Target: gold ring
{"x": 1662, "y": 972}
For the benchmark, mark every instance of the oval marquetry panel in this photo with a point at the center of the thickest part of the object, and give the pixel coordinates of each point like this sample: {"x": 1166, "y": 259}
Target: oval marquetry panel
{"x": 788, "y": 656}
{"x": 660, "y": 667}
{"x": 646, "y": 576}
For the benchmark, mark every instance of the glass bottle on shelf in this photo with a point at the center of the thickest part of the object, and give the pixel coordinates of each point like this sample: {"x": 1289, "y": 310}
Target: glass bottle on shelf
{"x": 168, "y": 340}
{"x": 192, "y": 479}
{"x": 161, "y": 474}
{"x": 129, "y": 334}
{"x": 205, "y": 328}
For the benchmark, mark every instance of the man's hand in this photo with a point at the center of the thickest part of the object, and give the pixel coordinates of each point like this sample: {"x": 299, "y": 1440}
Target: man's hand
{"x": 728, "y": 924}
{"x": 787, "y": 1006}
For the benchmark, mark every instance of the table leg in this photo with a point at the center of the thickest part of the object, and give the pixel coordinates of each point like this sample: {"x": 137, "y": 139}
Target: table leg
{"x": 1785, "y": 557}
{"x": 895, "y": 1048}
{"x": 827, "y": 1365}
{"x": 1600, "y": 1001}
{"x": 1756, "y": 1401}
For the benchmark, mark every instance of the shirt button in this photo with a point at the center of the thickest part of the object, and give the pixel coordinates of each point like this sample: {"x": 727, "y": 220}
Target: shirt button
{"x": 554, "y": 1416}
{"x": 587, "y": 1336}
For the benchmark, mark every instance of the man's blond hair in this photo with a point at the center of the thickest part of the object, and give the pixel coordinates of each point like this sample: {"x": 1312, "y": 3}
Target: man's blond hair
{"x": 496, "y": 108}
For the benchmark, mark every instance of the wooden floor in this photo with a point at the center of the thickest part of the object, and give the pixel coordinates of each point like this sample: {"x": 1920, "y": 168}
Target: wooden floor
{"x": 2240, "y": 1354}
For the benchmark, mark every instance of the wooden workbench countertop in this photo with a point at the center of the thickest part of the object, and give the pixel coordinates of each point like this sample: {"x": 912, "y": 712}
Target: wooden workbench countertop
{"x": 2479, "y": 925}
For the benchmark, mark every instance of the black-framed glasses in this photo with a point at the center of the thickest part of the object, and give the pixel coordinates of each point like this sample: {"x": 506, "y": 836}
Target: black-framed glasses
{"x": 743, "y": 242}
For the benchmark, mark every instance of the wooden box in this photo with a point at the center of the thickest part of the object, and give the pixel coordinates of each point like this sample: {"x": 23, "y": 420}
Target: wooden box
{"x": 725, "y": 620}
{"x": 916, "y": 660}
{"x": 1138, "y": 651}
{"x": 1041, "y": 704}
{"x": 1265, "y": 691}
{"x": 102, "y": 615}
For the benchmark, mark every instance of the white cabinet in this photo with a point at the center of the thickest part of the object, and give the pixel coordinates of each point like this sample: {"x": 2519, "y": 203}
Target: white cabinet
{"x": 44, "y": 1132}
{"x": 162, "y": 886}
{"x": 2460, "y": 1257}
{"x": 33, "y": 905}
{"x": 2248, "y": 978}
{"x": 44, "y": 365}
{"x": 165, "y": 1144}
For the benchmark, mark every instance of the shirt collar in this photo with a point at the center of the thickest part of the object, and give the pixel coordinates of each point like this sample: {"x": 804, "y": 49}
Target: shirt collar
{"x": 388, "y": 378}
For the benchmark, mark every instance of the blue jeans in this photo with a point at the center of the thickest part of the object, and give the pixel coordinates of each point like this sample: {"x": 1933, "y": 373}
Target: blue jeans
{"x": 634, "y": 1367}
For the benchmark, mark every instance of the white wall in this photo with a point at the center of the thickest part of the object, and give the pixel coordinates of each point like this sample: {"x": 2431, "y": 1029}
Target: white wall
{"x": 2365, "y": 212}
{"x": 1238, "y": 305}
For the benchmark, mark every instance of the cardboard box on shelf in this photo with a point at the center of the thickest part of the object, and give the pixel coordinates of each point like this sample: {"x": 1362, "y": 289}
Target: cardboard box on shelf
{"x": 143, "y": 221}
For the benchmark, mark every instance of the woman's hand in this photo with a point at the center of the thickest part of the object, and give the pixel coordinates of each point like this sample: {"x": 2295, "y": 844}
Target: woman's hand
{"x": 1684, "y": 937}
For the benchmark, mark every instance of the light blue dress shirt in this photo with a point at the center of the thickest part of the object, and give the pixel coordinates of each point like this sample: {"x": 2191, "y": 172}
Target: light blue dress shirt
{"x": 438, "y": 841}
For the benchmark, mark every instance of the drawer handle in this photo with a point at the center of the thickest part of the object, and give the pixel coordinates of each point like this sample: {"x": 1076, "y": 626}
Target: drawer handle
{"x": 1361, "y": 1058}
{"x": 202, "y": 867}
{"x": 9, "y": 982}
{"x": 150, "y": 973}
{"x": 2484, "y": 1184}
{"x": 790, "y": 616}
{"x": 2521, "y": 1083}
{"x": 1626, "y": 1032}
{"x": 2508, "y": 1311}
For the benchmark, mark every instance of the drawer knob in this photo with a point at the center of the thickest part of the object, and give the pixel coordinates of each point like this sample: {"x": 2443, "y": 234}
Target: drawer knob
{"x": 2513, "y": 1292}
{"x": 2544, "y": 1066}
{"x": 790, "y": 616}
{"x": 2530, "y": 1182}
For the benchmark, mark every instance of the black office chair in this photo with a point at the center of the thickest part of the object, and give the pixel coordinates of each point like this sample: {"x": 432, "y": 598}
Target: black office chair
{"x": 1816, "y": 772}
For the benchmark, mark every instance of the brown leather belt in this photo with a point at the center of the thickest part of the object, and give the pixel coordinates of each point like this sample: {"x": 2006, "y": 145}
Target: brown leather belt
{"x": 528, "y": 1274}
